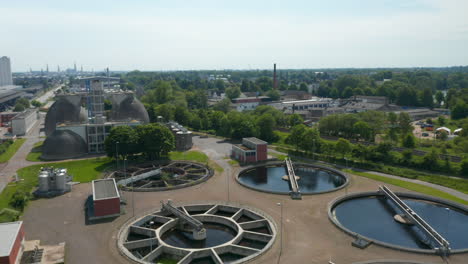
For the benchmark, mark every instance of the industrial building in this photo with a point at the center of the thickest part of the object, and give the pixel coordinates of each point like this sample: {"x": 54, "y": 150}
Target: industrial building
{"x": 106, "y": 199}
{"x": 11, "y": 242}
{"x": 251, "y": 150}
{"x": 83, "y": 129}
{"x": 183, "y": 137}
{"x": 53, "y": 182}
{"x": 23, "y": 122}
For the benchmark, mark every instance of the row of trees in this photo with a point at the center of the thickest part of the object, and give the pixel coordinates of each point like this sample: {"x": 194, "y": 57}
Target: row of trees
{"x": 154, "y": 141}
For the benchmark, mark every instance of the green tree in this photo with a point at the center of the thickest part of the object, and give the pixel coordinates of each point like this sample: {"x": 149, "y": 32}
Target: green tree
{"x": 464, "y": 168}
{"x": 409, "y": 141}
{"x": 296, "y": 136}
{"x": 426, "y": 98}
{"x": 20, "y": 199}
{"x": 303, "y": 87}
{"x": 310, "y": 140}
{"x": 439, "y": 96}
{"x": 18, "y": 108}
{"x": 407, "y": 156}
{"x": 404, "y": 123}
{"x": 233, "y": 92}
{"x": 441, "y": 120}
{"x": 36, "y": 103}
{"x": 246, "y": 128}
{"x": 223, "y": 105}
{"x": 266, "y": 124}
{"x": 430, "y": 160}
{"x": 127, "y": 142}
{"x": 155, "y": 140}
{"x": 362, "y": 130}
{"x": 295, "y": 119}
{"x": 343, "y": 147}
{"x": 459, "y": 110}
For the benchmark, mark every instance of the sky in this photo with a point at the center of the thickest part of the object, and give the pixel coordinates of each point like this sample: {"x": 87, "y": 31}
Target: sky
{"x": 237, "y": 34}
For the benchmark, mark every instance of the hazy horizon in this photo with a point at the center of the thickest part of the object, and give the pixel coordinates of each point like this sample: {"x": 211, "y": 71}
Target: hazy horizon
{"x": 216, "y": 35}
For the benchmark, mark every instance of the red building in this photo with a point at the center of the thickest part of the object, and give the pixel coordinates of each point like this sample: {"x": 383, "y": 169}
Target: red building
{"x": 106, "y": 199}
{"x": 11, "y": 242}
{"x": 6, "y": 117}
{"x": 251, "y": 150}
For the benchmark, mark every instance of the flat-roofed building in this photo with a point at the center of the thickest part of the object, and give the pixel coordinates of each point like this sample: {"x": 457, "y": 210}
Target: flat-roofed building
{"x": 106, "y": 199}
{"x": 23, "y": 122}
{"x": 251, "y": 150}
{"x": 11, "y": 242}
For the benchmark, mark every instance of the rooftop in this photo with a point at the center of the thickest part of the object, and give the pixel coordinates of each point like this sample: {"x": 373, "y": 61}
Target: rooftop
{"x": 105, "y": 189}
{"x": 255, "y": 140}
{"x": 8, "y": 234}
{"x": 25, "y": 114}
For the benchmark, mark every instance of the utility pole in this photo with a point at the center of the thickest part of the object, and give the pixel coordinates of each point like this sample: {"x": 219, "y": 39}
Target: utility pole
{"x": 281, "y": 231}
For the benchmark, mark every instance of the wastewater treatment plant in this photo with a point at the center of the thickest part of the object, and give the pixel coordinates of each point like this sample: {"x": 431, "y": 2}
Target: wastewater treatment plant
{"x": 161, "y": 176}
{"x": 197, "y": 233}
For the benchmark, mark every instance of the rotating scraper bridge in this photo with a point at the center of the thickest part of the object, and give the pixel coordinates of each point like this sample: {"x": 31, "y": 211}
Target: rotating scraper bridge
{"x": 159, "y": 177}
{"x": 441, "y": 244}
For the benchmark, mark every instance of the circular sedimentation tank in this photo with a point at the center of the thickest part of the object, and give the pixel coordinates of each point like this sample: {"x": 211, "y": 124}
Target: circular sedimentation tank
{"x": 273, "y": 178}
{"x": 149, "y": 177}
{"x": 371, "y": 216}
{"x": 234, "y": 234}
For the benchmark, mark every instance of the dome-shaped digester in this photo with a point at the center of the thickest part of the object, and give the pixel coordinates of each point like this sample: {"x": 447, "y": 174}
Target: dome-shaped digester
{"x": 65, "y": 109}
{"x": 63, "y": 144}
{"x": 128, "y": 109}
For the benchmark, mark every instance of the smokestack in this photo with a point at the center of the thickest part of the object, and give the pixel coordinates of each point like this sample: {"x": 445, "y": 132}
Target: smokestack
{"x": 275, "y": 84}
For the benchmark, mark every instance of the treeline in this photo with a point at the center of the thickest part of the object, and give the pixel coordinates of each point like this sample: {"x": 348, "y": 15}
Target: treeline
{"x": 308, "y": 140}
{"x": 366, "y": 125}
{"x": 153, "y": 141}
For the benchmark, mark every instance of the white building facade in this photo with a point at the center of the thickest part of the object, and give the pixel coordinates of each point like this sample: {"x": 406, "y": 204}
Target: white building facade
{"x": 5, "y": 72}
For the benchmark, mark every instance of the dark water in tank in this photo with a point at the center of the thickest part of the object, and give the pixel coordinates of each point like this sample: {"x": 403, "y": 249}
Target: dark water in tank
{"x": 216, "y": 234}
{"x": 311, "y": 181}
{"x": 373, "y": 217}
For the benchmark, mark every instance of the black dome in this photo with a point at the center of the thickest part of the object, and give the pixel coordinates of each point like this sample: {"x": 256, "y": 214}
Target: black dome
{"x": 63, "y": 111}
{"x": 63, "y": 144}
{"x": 129, "y": 109}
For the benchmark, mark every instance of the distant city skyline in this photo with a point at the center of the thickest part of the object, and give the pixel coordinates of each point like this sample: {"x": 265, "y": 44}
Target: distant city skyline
{"x": 207, "y": 34}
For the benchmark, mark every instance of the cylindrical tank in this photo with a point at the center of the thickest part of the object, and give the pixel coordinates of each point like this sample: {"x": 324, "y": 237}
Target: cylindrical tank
{"x": 43, "y": 182}
{"x": 60, "y": 181}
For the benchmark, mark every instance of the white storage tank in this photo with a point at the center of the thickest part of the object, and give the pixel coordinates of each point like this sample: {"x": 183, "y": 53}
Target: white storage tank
{"x": 44, "y": 182}
{"x": 60, "y": 181}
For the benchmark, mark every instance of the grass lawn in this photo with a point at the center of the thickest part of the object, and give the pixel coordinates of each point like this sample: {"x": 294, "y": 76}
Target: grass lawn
{"x": 410, "y": 186}
{"x": 196, "y": 156}
{"x": 233, "y": 162}
{"x": 36, "y": 152}
{"x": 278, "y": 156}
{"x": 82, "y": 171}
{"x": 6, "y": 156}
{"x": 189, "y": 155}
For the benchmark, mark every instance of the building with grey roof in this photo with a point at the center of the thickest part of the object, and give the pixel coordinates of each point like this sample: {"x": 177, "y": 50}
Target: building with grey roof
{"x": 11, "y": 242}
{"x": 106, "y": 199}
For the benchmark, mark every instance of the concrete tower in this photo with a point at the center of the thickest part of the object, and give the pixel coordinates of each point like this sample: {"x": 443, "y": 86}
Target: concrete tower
{"x": 275, "y": 82}
{"x": 5, "y": 72}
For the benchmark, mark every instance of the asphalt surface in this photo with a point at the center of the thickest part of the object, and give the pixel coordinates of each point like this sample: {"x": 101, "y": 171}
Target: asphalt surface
{"x": 308, "y": 235}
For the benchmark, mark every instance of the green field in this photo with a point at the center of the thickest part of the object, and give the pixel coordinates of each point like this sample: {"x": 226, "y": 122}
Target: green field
{"x": 410, "y": 186}
{"x": 6, "y": 156}
{"x": 36, "y": 152}
{"x": 82, "y": 171}
{"x": 196, "y": 156}
{"x": 189, "y": 155}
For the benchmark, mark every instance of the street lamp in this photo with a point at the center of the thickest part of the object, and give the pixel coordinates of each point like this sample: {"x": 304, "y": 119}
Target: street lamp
{"x": 281, "y": 231}
{"x": 117, "y": 154}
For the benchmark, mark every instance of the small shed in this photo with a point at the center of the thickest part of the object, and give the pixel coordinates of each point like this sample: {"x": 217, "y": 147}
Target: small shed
{"x": 11, "y": 242}
{"x": 457, "y": 131}
{"x": 106, "y": 199}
